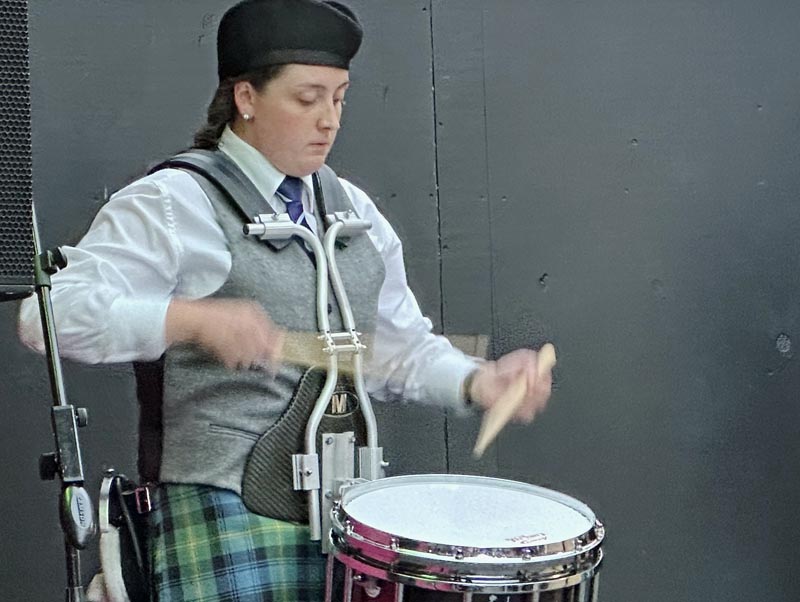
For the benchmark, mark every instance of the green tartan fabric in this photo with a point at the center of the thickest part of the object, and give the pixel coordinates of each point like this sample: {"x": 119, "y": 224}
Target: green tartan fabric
{"x": 206, "y": 546}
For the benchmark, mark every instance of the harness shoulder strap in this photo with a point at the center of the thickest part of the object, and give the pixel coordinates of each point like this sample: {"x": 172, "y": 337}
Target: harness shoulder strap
{"x": 150, "y": 393}
{"x": 331, "y": 191}
{"x": 220, "y": 170}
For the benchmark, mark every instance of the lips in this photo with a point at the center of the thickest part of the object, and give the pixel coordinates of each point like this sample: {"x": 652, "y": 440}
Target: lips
{"x": 319, "y": 147}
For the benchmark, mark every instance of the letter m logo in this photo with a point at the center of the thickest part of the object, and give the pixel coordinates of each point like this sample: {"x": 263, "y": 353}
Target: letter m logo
{"x": 339, "y": 403}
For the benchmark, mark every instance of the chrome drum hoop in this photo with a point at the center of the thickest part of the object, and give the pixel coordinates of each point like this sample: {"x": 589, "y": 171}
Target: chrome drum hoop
{"x": 435, "y": 579}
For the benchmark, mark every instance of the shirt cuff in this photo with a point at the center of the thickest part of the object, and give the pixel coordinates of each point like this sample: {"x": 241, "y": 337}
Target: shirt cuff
{"x": 443, "y": 380}
{"x": 140, "y": 328}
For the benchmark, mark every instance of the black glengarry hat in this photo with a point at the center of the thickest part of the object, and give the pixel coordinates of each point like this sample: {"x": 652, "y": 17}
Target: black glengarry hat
{"x": 259, "y": 33}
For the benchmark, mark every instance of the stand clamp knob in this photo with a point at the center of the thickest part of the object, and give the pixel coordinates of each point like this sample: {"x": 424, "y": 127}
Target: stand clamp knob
{"x": 81, "y": 417}
{"x": 48, "y": 466}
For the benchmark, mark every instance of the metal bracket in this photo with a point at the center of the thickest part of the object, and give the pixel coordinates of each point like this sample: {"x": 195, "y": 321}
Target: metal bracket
{"x": 306, "y": 472}
{"x": 351, "y": 223}
{"x": 370, "y": 463}
{"x": 342, "y": 342}
{"x": 271, "y": 226}
{"x": 338, "y": 468}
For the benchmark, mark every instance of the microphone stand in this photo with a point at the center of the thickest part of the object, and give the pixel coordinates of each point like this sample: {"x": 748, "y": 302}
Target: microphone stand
{"x": 75, "y": 504}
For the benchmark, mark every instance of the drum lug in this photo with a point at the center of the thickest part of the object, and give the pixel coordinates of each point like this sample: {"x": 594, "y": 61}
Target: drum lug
{"x": 369, "y": 584}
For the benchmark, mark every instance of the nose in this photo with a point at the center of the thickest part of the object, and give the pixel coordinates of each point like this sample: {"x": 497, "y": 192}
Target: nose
{"x": 331, "y": 115}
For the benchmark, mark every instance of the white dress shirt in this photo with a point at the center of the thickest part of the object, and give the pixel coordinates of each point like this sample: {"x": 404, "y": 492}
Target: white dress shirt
{"x": 158, "y": 239}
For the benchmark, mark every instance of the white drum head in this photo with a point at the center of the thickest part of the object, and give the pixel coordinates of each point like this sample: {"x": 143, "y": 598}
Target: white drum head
{"x": 467, "y": 511}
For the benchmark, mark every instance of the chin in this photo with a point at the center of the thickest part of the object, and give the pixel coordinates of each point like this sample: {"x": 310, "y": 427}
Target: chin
{"x": 310, "y": 167}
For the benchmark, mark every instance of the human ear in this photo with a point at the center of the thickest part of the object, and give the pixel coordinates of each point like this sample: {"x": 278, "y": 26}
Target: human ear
{"x": 244, "y": 96}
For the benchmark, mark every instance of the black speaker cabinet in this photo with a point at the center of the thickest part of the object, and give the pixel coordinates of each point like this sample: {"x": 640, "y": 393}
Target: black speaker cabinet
{"x": 16, "y": 194}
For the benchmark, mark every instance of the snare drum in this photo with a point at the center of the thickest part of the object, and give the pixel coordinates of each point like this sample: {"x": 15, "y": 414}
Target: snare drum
{"x": 453, "y": 537}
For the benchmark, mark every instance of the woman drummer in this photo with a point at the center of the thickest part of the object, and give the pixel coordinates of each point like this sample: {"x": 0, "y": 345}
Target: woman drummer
{"x": 165, "y": 271}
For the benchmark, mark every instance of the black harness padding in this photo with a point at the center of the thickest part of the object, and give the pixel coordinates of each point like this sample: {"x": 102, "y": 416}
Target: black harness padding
{"x": 267, "y": 483}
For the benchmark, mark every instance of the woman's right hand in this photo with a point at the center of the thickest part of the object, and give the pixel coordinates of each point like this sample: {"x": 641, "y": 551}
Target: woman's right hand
{"x": 238, "y": 332}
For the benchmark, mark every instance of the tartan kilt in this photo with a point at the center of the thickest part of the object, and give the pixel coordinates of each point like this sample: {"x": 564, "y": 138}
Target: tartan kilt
{"x": 206, "y": 546}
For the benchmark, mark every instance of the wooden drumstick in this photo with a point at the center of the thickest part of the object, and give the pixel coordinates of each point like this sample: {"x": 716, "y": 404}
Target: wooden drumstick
{"x": 496, "y": 417}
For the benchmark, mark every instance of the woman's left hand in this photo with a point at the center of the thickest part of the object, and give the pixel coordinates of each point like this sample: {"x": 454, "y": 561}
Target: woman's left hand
{"x": 494, "y": 380}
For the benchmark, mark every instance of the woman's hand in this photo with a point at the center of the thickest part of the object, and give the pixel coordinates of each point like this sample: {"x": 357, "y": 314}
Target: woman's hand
{"x": 494, "y": 380}
{"x": 238, "y": 332}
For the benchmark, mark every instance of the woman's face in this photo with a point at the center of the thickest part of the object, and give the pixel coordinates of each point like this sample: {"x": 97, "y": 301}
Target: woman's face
{"x": 295, "y": 117}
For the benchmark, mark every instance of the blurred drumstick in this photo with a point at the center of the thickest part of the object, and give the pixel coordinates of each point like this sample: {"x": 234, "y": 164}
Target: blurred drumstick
{"x": 303, "y": 348}
{"x": 496, "y": 417}
{"x": 306, "y": 348}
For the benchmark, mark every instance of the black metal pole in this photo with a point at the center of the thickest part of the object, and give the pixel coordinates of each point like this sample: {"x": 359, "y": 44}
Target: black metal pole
{"x": 75, "y": 504}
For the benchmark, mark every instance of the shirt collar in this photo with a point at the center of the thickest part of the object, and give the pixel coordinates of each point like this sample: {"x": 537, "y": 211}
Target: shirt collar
{"x": 264, "y": 175}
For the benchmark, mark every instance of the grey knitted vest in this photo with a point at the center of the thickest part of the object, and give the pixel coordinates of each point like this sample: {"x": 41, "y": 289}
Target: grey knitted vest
{"x": 212, "y": 416}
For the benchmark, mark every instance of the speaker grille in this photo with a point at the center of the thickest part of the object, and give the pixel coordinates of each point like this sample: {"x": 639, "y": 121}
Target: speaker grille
{"x": 16, "y": 194}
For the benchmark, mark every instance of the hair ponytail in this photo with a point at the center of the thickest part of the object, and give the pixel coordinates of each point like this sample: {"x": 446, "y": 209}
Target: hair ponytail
{"x": 222, "y": 109}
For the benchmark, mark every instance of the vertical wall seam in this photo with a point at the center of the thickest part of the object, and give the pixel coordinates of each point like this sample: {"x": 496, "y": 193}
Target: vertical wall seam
{"x": 437, "y": 200}
{"x": 492, "y": 276}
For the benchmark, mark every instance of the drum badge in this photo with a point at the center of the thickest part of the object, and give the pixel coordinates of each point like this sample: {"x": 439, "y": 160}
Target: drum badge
{"x": 525, "y": 540}
{"x": 343, "y": 403}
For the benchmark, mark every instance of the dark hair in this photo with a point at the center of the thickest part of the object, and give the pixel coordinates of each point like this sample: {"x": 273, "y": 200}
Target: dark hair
{"x": 222, "y": 109}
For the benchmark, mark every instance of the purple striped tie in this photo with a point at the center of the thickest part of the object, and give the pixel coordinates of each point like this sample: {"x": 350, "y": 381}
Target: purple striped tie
{"x": 292, "y": 189}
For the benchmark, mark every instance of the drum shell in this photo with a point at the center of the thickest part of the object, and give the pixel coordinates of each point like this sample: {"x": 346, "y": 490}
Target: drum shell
{"x": 352, "y": 586}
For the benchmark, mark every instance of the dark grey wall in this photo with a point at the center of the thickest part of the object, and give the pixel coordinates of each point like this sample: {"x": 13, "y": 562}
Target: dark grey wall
{"x": 617, "y": 177}
{"x": 631, "y": 168}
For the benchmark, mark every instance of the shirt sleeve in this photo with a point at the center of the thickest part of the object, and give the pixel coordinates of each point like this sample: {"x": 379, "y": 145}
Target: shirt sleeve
{"x": 408, "y": 361}
{"x": 110, "y": 302}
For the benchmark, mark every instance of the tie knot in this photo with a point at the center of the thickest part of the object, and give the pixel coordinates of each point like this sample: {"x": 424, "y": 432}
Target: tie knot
{"x": 292, "y": 188}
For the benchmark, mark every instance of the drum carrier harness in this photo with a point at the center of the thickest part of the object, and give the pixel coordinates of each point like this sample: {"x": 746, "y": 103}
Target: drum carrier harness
{"x": 321, "y": 480}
